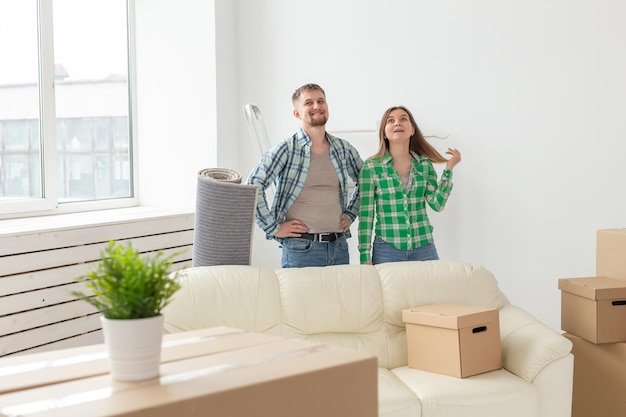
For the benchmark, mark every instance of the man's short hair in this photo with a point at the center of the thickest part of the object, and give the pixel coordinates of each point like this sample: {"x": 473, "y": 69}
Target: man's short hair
{"x": 306, "y": 87}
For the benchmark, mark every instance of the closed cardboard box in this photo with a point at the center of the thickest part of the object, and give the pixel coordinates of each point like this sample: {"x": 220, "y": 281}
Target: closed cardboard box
{"x": 56, "y": 366}
{"x": 453, "y": 339}
{"x": 611, "y": 253}
{"x": 594, "y": 308}
{"x": 240, "y": 375}
{"x": 599, "y": 378}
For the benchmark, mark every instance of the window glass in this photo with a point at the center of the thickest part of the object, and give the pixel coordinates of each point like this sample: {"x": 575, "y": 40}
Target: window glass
{"x": 68, "y": 139}
{"x": 91, "y": 79}
{"x": 20, "y": 150}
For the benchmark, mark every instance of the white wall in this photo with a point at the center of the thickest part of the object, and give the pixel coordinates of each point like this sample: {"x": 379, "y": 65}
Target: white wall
{"x": 531, "y": 92}
{"x": 176, "y": 89}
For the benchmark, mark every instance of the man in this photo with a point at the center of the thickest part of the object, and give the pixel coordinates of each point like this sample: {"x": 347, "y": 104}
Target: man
{"x": 311, "y": 212}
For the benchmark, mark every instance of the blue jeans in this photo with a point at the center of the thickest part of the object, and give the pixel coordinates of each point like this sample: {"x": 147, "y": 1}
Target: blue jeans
{"x": 383, "y": 252}
{"x": 299, "y": 253}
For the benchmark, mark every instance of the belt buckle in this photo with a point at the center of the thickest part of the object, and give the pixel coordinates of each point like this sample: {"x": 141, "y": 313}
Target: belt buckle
{"x": 320, "y": 237}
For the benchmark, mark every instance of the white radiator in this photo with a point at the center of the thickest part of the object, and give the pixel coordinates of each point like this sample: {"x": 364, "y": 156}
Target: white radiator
{"x": 41, "y": 260}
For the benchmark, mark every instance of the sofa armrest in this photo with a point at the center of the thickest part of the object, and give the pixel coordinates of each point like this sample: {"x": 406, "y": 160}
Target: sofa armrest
{"x": 527, "y": 344}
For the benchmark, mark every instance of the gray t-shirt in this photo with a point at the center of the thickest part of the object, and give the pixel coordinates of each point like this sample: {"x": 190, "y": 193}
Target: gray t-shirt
{"x": 318, "y": 203}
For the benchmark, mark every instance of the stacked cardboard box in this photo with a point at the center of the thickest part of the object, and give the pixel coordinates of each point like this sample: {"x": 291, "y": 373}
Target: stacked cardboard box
{"x": 593, "y": 315}
{"x": 594, "y": 308}
{"x": 220, "y": 371}
{"x": 611, "y": 253}
{"x": 453, "y": 339}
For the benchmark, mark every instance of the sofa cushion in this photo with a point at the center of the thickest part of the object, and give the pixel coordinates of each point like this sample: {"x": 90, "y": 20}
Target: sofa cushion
{"x": 411, "y": 284}
{"x": 395, "y": 399}
{"x": 236, "y": 295}
{"x": 492, "y": 394}
{"x": 339, "y": 306}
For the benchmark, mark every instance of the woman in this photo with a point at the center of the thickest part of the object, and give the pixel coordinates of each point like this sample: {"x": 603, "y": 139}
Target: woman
{"x": 395, "y": 184}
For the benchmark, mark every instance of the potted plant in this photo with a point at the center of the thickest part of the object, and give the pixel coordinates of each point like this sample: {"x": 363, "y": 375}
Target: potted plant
{"x": 131, "y": 290}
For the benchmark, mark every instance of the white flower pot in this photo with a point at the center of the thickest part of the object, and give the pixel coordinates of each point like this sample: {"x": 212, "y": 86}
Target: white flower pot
{"x": 134, "y": 347}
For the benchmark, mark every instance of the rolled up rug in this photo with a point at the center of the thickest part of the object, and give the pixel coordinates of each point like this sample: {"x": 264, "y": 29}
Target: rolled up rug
{"x": 224, "y": 222}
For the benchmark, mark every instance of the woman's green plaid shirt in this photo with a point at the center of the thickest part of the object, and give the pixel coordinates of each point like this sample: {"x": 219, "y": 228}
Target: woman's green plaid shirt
{"x": 401, "y": 217}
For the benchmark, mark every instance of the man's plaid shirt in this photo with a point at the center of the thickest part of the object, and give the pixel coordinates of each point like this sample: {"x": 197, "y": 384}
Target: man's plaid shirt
{"x": 286, "y": 165}
{"x": 401, "y": 218}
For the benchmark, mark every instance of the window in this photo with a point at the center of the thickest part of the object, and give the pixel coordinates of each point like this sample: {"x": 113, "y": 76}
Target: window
{"x": 65, "y": 114}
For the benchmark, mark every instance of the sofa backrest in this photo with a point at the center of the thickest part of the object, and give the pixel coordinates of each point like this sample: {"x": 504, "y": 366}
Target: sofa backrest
{"x": 340, "y": 305}
{"x": 240, "y": 296}
{"x": 357, "y": 307}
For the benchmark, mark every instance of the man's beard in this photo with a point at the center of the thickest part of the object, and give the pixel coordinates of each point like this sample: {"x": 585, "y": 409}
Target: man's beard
{"x": 318, "y": 121}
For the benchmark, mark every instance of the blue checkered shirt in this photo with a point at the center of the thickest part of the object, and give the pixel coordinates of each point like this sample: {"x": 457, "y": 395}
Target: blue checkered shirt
{"x": 286, "y": 164}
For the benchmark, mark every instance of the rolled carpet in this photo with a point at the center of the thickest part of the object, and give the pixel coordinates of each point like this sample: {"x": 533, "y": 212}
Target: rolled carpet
{"x": 224, "y": 222}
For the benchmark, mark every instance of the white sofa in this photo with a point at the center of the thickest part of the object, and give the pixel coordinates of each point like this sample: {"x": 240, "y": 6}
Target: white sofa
{"x": 360, "y": 307}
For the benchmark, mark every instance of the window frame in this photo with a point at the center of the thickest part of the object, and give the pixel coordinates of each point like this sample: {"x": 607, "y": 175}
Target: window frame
{"x": 48, "y": 204}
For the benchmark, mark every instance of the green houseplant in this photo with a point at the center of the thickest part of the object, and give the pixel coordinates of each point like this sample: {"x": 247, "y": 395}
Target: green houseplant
{"x": 130, "y": 290}
{"x": 126, "y": 285}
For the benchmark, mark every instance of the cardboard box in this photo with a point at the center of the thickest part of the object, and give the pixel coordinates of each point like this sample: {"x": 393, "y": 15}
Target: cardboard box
{"x": 599, "y": 378}
{"x": 594, "y": 308}
{"x": 611, "y": 253}
{"x": 26, "y": 371}
{"x": 269, "y": 376}
{"x": 452, "y": 339}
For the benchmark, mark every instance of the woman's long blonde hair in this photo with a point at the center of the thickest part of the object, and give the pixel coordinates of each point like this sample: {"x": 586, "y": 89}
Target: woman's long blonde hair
{"x": 417, "y": 143}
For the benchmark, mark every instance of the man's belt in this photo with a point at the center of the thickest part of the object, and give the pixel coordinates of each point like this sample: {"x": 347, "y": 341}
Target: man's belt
{"x": 321, "y": 237}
